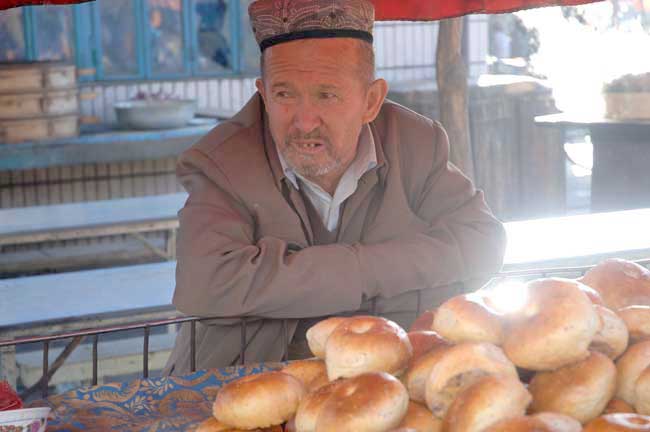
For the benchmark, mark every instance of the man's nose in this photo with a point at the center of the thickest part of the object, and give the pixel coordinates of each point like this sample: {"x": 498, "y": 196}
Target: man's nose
{"x": 307, "y": 118}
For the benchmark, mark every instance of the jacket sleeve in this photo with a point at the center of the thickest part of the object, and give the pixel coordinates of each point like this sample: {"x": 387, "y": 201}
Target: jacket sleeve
{"x": 223, "y": 272}
{"x": 454, "y": 238}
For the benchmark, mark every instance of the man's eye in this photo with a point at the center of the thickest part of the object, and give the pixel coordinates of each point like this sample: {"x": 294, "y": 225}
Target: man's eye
{"x": 327, "y": 95}
{"x": 283, "y": 94}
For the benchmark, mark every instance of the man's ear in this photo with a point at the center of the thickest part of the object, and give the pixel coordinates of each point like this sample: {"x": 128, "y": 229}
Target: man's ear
{"x": 375, "y": 98}
{"x": 259, "y": 84}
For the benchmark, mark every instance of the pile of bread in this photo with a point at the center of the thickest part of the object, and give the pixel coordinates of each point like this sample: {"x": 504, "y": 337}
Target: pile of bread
{"x": 574, "y": 356}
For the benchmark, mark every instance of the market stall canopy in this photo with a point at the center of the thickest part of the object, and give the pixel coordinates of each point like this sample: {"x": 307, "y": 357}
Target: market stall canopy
{"x": 429, "y": 10}
{"x": 7, "y": 4}
{"x": 415, "y": 10}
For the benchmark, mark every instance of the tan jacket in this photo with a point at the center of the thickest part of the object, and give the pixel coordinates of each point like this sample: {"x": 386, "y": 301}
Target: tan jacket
{"x": 246, "y": 248}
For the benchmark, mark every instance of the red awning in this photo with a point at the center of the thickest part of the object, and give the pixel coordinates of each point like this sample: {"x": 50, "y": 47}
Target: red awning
{"x": 6, "y": 4}
{"x": 428, "y": 10}
{"x": 416, "y": 10}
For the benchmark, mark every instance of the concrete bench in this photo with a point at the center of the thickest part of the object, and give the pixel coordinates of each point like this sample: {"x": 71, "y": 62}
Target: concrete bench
{"x": 51, "y": 304}
{"x": 130, "y": 216}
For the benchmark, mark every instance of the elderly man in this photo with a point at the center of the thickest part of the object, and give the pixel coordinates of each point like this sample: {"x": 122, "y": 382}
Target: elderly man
{"x": 320, "y": 197}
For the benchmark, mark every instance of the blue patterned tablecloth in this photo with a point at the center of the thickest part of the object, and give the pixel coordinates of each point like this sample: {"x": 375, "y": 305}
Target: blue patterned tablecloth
{"x": 168, "y": 404}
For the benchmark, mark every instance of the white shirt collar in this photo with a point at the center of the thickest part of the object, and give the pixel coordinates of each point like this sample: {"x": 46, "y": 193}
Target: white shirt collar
{"x": 364, "y": 161}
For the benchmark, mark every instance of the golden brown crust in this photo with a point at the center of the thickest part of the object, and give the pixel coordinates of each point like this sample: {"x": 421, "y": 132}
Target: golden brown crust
{"x": 580, "y": 390}
{"x": 543, "y": 422}
{"x": 253, "y": 401}
{"x": 467, "y": 318}
{"x": 213, "y": 425}
{"x": 318, "y": 382}
{"x": 311, "y": 405}
{"x": 424, "y": 341}
{"x": 317, "y": 335}
{"x": 637, "y": 320}
{"x": 424, "y": 321}
{"x": 420, "y": 419}
{"x": 459, "y": 367}
{"x": 619, "y": 423}
{"x": 642, "y": 393}
{"x": 366, "y": 403}
{"x": 306, "y": 370}
{"x": 367, "y": 344}
{"x": 612, "y": 338}
{"x": 554, "y": 329}
{"x": 556, "y": 422}
{"x": 519, "y": 424}
{"x": 629, "y": 367}
{"x": 621, "y": 283}
{"x": 487, "y": 401}
{"x": 416, "y": 377}
{"x": 618, "y": 406}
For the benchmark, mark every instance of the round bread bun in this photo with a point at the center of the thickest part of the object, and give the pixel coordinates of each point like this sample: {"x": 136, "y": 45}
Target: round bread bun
{"x": 619, "y": 423}
{"x": 580, "y": 390}
{"x": 254, "y": 401}
{"x": 542, "y": 422}
{"x": 467, "y": 318}
{"x": 424, "y": 321}
{"x": 420, "y": 419}
{"x": 557, "y": 422}
{"x": 214, "y": 425}
{"x": 490, "y": 399}
{"x": 621, "y": 283}
{"x": 593, "y": 295}
{"x": 612, "y": 338}
{"x": 311, "y": 405}
{"x": 306, "y": 370}
{"x": 637, "y": 320}
{"x": 317, "y": 335}
{"x": 371, "y": 402}
{"x": 642, "y": 393}
{"x": 629, "y": 367}
{"x": 415, "y": 378}
{"x": 459, "y": 367}
{"x": 367, "y": 344}
{"x": 555, "y": 328}
{"x": 618, "y": 406}
{"x": 318, "y": 382}
{"x": 424, "y": 341}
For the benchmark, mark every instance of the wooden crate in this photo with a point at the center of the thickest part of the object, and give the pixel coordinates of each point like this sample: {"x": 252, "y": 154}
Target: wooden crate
{"x": 38, "y": 128}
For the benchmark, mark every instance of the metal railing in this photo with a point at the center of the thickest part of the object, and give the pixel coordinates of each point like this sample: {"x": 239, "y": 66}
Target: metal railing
{"x": 78, "y": 336}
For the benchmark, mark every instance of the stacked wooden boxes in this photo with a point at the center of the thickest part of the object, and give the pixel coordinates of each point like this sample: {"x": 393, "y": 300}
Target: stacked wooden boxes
{"x": 38, "y": 101}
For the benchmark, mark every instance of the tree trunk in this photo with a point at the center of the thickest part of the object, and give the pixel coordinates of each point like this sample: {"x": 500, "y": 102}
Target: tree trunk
{"x": 451, "y": 75}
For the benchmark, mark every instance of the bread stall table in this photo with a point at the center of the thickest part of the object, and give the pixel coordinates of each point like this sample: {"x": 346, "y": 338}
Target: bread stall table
{"x": 166, "y": 404}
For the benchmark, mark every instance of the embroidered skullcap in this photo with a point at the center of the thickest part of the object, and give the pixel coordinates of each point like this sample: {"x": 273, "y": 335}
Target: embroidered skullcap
{"x": 278, "y": 21}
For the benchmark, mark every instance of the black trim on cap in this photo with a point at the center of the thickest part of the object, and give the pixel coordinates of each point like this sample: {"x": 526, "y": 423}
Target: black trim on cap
{"x": 316, "y": 34}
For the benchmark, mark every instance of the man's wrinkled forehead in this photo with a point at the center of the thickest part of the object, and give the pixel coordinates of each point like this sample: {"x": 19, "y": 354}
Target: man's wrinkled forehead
{"x": 279, "y": 21}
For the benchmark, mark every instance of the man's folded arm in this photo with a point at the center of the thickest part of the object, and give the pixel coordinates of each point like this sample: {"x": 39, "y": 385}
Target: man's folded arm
{"x": 223, "y": 272}
{"x": 455, "y": 236}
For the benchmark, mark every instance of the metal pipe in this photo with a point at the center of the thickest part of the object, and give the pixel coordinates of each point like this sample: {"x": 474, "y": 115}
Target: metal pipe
{"x": 145, "y": 353}
{"x": 46, "y": 365}
{"x": 193, "y": 346}
{"x": 285, "y": 340}
{"x": 95, "y": 360}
